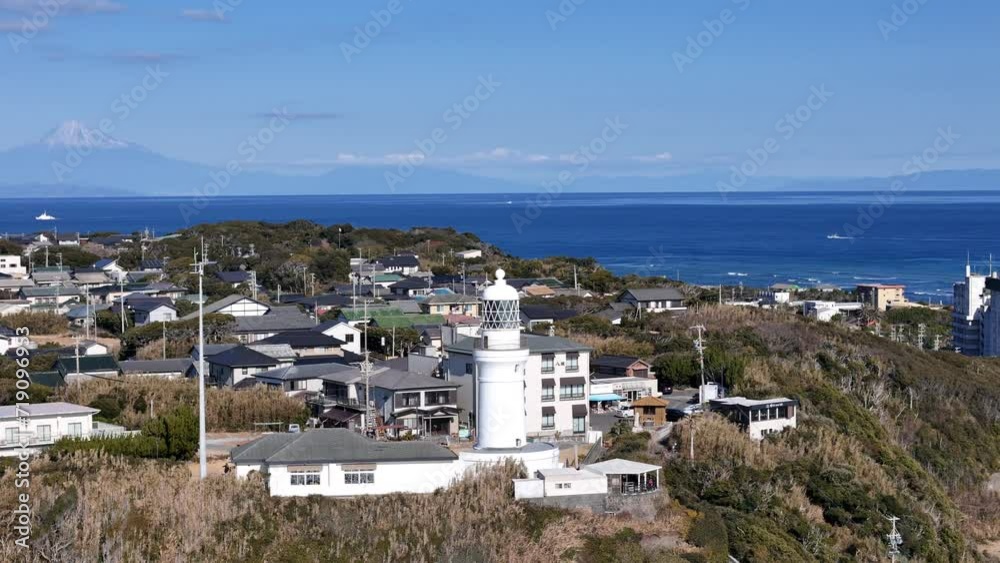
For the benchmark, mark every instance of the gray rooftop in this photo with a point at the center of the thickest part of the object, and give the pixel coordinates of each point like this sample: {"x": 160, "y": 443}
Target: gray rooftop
{"x": 335, "y": 445}
{"x": 656, "y": 294}
{"x": 46, "y": 409}
{"x": 395, "y": 380}
{"x": 337, "y": 373}
{"x": 170, "y": 365}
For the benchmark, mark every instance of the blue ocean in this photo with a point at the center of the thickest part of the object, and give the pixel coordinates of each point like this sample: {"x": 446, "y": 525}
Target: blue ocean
{"x": 920, "y": 239}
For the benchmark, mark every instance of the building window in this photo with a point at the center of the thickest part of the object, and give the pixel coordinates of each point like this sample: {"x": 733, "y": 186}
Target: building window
{"x": 579, "y": 424}
{"x": 304, "y": 478}
{"x": 246, "y": 371}
{"x": 349, "y": 338}
{"x": 298, "y": 385}
{"x": 45, "y": 433}
{"x": 76, "y": 429}
{"x": 359, "y": 478}
{"x": 548, "y": 421}
{"x": 439, "y": 398}
{"x": 573, "y": 391}
{"x": 548, "y": 363}
{"x": 564, "y": 485}
{"x": 10, "y": 435}
{"x": 573, "y": 361}
{"x": 409, "y": 400}
{"x": 470, "y": 369}
{"x": 548, "y": 394}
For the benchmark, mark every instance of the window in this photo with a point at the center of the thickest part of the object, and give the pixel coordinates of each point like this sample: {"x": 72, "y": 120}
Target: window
{"x": 439, "y": 398}
{"x": 10, "y": 435}
{"x": 45, "y": 433}
{"x": 548, "y": 420}
{"x": 548, "y": 363}
{"x": 564, "y": 485}
{"x": 349, "y": 338}
{"x": 298, "y": 385}
{"x": 470, "y": 369}
{"x": 579, "y": 424}
{"x": 548, "y": 394}
{"x": 305, "y": 477}
{"x": 571, "y": 391}
{"x": 359, "y": 477}
{"x": 246, "y": 371}
{"x": 573, "y": 361}
{"x": 408, "y": 400}
{"x": 76, "y": 429}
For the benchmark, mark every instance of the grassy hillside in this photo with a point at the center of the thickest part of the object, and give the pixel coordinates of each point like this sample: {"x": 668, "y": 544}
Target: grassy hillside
{"x": 884, "y": 429}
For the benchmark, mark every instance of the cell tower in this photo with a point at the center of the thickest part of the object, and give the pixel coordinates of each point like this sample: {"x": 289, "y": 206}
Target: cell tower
{"x": 371, "y": 426}
{"x": 894, "y": 538}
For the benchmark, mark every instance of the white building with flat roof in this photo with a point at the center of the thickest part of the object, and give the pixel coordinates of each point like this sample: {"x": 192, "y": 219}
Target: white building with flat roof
{"x": 758, "y": 418}
{"x": 971, "y": 300}
{"x": 10, "y": 264}
{"x": 35, "y": 427}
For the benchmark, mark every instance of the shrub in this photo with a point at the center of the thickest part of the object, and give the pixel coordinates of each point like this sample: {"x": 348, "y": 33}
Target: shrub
{"x": 36, "y": 322}
{"x": 708, "y": 531}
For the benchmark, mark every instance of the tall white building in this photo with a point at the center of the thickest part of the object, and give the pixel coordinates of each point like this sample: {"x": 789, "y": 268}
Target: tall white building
{"x": 971, "y": 301}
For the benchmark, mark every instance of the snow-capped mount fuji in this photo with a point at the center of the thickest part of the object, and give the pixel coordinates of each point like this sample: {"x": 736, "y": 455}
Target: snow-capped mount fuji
{"x": 74, "y": 134}
{"x": 75, "y": 160}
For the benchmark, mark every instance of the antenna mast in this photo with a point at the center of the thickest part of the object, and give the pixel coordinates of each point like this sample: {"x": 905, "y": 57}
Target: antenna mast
{"x": 199, "y": 269}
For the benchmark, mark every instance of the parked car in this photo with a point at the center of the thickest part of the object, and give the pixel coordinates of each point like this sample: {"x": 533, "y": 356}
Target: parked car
{"x": 625, "y": 413}
{"x": 294, "y": 428}
{"x": 667, "y": 389}
{"x": 692, "y": 409}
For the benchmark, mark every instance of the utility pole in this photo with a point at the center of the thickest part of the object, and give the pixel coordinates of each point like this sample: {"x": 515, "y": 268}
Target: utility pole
{"x": 312, "y": 284}
{"x": 699, "y": 345}
{"x": 199, "y": 269}
{"x": 937, "y": 342}
{"x": 121, "y": 303}
{"x": 921, "y": 334}
{"x": 894, "y": 538}
{"x": 366, "y": 372}
{"x": 163, "y": 325}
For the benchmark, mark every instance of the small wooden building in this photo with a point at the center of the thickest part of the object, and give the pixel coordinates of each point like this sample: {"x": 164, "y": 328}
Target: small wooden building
{"x": 650, "y": 411}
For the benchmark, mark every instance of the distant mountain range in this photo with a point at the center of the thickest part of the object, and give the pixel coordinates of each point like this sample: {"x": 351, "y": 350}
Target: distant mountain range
{"x": 112, "y": 167}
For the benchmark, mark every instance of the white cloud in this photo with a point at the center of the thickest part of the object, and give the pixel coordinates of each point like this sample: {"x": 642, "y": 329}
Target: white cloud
{"x": 659, "y": 157}
{"x": 65, "y": 6}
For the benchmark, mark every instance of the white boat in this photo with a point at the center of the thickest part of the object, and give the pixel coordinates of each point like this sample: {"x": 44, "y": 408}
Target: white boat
{"x": 45, "y": 217}
{"x": 835, "y": 236}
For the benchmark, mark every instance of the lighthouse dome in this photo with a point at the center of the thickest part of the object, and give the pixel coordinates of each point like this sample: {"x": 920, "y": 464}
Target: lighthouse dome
{"x": 501, "y": 309}
{"x": 500, "y": 291}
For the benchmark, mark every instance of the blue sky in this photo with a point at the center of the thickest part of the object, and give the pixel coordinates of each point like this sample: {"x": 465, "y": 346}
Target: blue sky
{"x": 561, "y": 75}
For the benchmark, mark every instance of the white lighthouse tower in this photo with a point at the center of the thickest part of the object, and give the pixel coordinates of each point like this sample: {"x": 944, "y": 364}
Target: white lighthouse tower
{"x": 501, "y": 360}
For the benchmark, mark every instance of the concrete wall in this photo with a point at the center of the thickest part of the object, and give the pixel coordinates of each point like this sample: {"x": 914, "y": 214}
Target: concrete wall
{"x": 404, "y": 477}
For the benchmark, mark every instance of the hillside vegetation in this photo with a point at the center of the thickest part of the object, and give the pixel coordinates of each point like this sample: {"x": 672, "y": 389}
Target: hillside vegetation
{"x": 884, "y": 429}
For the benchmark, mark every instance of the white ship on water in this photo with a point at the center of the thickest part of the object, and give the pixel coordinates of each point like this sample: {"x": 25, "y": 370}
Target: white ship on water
{"x": 835, "y": 236}
{"x": 45, "y": 217}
